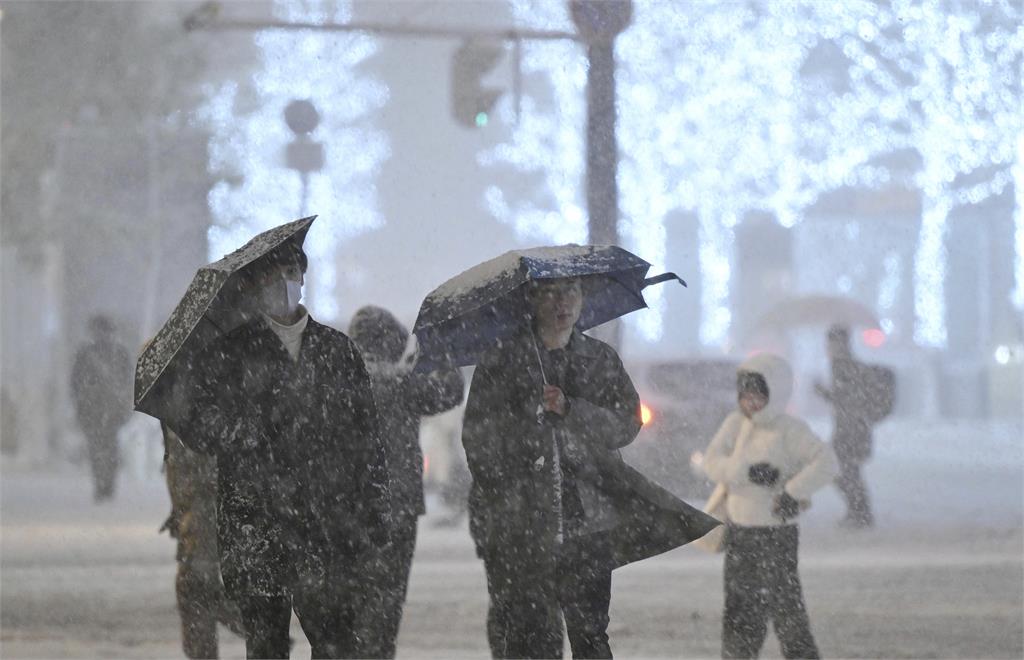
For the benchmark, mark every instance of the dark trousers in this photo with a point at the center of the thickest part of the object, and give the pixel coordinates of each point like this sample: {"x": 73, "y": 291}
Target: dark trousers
{"x": 104, "y": 461}
{"x": 527, "y": 608}
{"x": 762, "y": 584}
{"x": 328, "y": 623}
{"x": 851, "y": 485}
{"x": 202, "y": 603}
{"x": 197, "y": 607}
{"x": 381, "y": 615}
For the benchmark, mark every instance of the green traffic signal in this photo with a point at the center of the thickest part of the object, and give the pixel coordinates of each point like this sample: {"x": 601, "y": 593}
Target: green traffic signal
{"x": 471, "y": 98}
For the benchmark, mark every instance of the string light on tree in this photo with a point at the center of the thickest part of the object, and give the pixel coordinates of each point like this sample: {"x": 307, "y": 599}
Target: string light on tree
{"x": 725, "y": 110}
{"x": 249, "y": 139}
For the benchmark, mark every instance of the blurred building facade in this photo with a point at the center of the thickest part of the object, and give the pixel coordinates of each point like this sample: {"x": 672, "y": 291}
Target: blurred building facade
{"x": 105, "y": 183}
{"x": 106, "y": 207}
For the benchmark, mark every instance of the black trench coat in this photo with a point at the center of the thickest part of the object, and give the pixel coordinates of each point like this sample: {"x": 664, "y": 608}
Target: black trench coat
{"x": 509, "y": 452}
{"x": 302, "y": 483}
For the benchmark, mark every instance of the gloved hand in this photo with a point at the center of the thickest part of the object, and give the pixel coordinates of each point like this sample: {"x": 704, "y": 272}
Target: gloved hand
{"x": 763, "y": 474}
{"x": 172, "y": 525}
{"x": 786, "y": 506}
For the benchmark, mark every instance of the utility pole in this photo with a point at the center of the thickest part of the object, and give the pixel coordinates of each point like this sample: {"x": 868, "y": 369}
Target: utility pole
{"x": 598, "y": 23}
{"x": 305, "y": 156}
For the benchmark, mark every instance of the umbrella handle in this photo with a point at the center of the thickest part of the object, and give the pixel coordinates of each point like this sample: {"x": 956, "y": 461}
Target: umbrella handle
{"x": 664, "y": 277}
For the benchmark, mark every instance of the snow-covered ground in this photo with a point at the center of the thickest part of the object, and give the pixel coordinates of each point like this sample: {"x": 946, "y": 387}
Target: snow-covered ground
{"x": 941, "y": 576}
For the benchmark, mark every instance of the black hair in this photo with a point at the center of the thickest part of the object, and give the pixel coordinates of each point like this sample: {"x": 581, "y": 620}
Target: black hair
{"x": 839, "y": 333}
{"x": 378, "y": 333}
{"x": 533, "y": 286}
{"x": 286, "y": 255}
{"x": 751, "y": 381}
{"x": 101, "y": 324}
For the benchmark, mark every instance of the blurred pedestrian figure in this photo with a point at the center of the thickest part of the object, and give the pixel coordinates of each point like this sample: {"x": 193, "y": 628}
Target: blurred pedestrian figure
{"x": 202, "y": 602}
{"x": 101, "y": 387}
{"x": 9, "y": 440}
{"x": 286, "y": 406}
{"x": 553, "y": 507}
{"x": 861, "y": 396}
{"x": 403, "y": 396}
{"x": 769, "y": 464}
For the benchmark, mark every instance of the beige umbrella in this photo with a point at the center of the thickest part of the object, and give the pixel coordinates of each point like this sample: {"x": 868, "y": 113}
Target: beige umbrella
{"x": 816, "y": 310}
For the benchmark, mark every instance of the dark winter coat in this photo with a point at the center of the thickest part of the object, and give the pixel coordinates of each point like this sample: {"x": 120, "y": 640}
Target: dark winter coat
{"x": 510, "y": 451}
{"x": 852, "y": 432}
{"x": 302, "y": 483}
{"x": 101, "y": 386}
{"x": 192, "y": 485}
{"x": 402, "y": 396}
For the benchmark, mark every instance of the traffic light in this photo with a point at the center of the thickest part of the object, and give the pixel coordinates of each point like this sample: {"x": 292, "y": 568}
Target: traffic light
{"x": 472, "y": 102}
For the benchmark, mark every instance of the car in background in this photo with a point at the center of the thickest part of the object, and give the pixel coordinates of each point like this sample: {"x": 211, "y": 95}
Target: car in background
{"x": 683, "y": 404}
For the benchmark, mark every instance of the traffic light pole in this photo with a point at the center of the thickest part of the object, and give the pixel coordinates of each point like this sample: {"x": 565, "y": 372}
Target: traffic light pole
{"x": 602, "y": 146}
{"x": 207, "y": 18}
{"x": 598, "y": 23}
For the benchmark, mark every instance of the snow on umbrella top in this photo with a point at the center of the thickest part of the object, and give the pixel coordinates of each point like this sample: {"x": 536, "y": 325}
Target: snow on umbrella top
{"x": 207, "y": 299}
{"x": 484, "y": 305}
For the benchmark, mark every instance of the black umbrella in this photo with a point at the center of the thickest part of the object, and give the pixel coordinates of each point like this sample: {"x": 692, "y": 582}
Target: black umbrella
{"x": 216, "y": 302}
{"x": 474, "y": 310}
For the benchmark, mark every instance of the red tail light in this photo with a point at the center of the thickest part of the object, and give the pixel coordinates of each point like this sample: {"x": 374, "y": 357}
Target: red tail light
{"x": 873, "y": 337}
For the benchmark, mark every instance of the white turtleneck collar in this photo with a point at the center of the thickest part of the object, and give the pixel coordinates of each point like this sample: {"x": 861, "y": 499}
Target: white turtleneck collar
{"x": 290, "y": 335}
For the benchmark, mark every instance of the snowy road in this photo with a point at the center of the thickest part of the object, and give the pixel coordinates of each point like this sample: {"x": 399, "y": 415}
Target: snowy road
{"x": 942, "y": 576}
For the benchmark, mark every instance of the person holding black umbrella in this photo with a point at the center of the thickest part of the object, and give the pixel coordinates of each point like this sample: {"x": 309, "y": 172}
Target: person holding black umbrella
{"x": 553, "y": 507}
{"x": 286, "y": 406}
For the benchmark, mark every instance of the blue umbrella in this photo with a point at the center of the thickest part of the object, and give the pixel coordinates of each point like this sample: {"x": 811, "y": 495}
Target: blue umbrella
{"x": 486, "y": 304}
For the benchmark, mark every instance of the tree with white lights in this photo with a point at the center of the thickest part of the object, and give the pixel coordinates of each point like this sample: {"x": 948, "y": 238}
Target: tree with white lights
{"x": 725, "y": 109}
{"x": 962, "y": 115}
{"x": 250, "y": 137}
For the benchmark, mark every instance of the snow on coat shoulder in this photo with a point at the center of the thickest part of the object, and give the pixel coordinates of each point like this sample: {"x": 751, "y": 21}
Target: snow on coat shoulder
{"x": 805, "y": 463}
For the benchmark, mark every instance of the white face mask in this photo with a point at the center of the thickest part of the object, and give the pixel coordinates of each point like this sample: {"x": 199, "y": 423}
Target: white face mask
{"x": 294, "y": 294}
{"x": 281, "y": 297}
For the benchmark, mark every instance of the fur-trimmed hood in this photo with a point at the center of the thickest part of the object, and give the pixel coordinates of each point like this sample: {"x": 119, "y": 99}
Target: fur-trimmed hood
{"x": 779, "y": 376}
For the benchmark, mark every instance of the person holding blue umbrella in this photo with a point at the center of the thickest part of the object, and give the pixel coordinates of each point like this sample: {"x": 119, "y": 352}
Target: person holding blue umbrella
{"x": 553, "y": 507}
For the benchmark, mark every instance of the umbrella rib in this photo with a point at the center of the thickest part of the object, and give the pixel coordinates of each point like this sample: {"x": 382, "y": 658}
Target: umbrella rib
{"x": 636, "y": 294}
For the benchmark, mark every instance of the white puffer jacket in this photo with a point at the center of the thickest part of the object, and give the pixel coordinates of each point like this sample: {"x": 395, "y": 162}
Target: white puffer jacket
{"x": 805, "y": 463}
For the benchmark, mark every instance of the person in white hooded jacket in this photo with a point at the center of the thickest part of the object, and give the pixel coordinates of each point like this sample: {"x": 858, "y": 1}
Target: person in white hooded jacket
{"x": 769, "y": 464}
